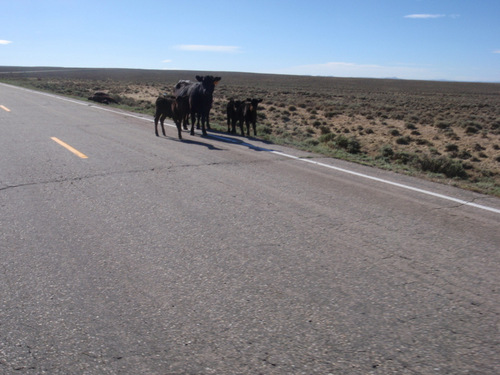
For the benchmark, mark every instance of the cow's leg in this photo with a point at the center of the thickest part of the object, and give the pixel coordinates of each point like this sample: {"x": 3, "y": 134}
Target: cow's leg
{"x": 193, "y": 121}
{"x": 157, "y": 116}
{"x": 254, "y": 125}
{"x": 247, "y": 122}
{"x": 228, "y": 124}
{"x": 203, "y": 128}
{"x": 241, "y": 128}
{"x": 162, "y": 119}
{"x": 208, "y": 120}
{"x": 178, "y": 122}
{"x": 179, "y": 128}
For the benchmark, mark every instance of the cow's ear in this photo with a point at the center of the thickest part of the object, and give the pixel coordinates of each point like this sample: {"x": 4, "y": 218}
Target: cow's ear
{"x": 199, "y": 78}
{"x": 217, "y": 79}
{"x": 259, "y": 100}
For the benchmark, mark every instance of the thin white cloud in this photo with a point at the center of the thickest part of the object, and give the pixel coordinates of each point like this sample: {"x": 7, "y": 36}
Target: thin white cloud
{"x": 166, "y": 61}
{"x": 426, "y": 16}
{"x": 346, "y": 69}
{"x": 5, "y": 41}
{"x": 207, "y": 48}
{"x": 497, "y": 51}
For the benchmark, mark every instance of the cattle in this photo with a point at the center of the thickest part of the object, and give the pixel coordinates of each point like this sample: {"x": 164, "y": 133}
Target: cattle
{"x": 170, "y": 106}
{"x": 200, "y": 98}
{"x": 232, "y": 115}
{"x": 247, "y": 112}
{"x": 180, "y": 112}
{"x": 102, "y": 97}
{"x": 163, "y": 110}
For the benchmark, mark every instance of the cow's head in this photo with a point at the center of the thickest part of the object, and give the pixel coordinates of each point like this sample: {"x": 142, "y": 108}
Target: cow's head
{"x": 254, "y": 103}
{"x": 208, "y": 82}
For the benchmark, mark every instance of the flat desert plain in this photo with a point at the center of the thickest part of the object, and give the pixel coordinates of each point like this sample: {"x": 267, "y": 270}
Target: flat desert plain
{"x": 443, "y": 131}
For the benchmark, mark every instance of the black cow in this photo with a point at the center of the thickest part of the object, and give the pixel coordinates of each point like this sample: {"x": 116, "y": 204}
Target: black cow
{"x": 247, "y": 112}
{"x": 232, "y": 115}
{"x": 200, "y": 98}
{"x": 176, "y": 108}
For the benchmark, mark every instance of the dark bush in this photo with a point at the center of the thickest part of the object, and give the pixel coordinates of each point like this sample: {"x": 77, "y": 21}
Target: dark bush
{"x": 464, "y": 154}
{"x": 403, "y": 157}
{"x": 351, "y": 145}
{"x": 325, "y": 129}
{"x": 325, "y": 138}
{"x": 394, "y": 132}
{"x": 449, "y": 167}
{"x": 471, "y": 130}
{"x": 342, "y": 141}
{"x": 312, "y": 142}
{"x": 387, "y": 151}
{"x": 478, "y": 147}
{"x": 403, "y": 140}
{"x": 442, "y": 125}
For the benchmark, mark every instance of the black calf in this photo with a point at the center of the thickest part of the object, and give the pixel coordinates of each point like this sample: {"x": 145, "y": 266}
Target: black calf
{"x": 247, "y": 112}
{"x": 232, "y": 115}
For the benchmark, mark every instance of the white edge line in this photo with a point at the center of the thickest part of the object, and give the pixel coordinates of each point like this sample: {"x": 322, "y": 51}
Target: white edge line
{"x": 362, "y": 175}
{"x": 407, "y": 187}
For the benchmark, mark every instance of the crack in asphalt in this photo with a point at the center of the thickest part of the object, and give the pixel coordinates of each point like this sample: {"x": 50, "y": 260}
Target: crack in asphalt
{"x": 52, "y": 181}
{"x": 133, "y": 171}
{"x": 464, "y": 203}
{"x": 61, "y": 180}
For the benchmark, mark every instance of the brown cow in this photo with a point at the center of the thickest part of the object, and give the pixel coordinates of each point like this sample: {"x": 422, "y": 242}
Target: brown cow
{"x": 163, "y": 109}
{"x": 176, "y": 108}
{"x": 180, "y": 113}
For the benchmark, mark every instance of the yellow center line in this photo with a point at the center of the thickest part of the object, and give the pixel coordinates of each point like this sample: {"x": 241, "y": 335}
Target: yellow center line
{"x": 4, "y": 108}
{"x": 73, "y": 150}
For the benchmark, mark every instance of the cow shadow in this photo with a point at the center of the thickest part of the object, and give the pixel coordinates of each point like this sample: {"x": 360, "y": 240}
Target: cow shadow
{"x": 221, "y": 136}
{"x": 207, "y": 145}
{"x": 192, "y": 142}
{"x": 218, "y": 136}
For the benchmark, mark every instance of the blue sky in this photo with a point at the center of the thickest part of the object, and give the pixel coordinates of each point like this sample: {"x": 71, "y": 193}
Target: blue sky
{"x": 456, "y": 40}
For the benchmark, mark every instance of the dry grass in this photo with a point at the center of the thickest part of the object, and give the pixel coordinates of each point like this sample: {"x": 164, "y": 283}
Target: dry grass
{"x": 445, "y": 131}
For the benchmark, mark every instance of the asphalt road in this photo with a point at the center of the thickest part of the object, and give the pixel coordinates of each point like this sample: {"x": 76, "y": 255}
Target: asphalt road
{"x": 222, "y": 255}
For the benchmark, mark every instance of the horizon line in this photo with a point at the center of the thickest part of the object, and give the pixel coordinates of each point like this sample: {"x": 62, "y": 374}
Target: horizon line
{"x": 51, "y": 68}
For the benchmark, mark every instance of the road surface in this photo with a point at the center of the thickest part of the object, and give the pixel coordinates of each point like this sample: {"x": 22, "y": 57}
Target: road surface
{"x": 126, "y": 253}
